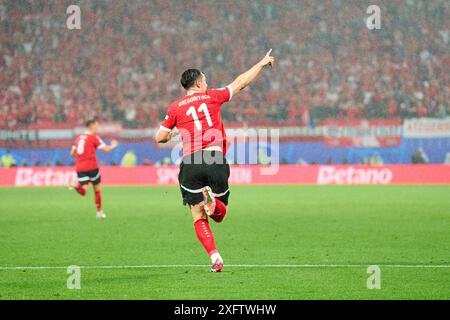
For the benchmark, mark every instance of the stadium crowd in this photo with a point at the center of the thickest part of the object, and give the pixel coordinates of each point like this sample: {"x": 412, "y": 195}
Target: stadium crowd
{"x": 125, "y": 61}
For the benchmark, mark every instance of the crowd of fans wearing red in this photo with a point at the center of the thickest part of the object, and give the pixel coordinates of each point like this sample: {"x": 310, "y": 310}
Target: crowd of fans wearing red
{"x": 125, "y": 62}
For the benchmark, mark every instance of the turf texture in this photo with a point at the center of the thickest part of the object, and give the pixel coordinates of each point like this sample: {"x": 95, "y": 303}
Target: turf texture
{"x": 309, "y": 242}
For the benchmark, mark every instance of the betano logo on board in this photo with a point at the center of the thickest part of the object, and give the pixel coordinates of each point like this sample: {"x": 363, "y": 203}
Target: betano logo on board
{"x": 351, "y": 175}
{"x": 44, "y": 177}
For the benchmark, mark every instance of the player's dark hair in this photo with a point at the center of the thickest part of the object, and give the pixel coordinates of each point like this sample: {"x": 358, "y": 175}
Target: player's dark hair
{"x": 90, "y": 122}
{"x": 189, "y": 77}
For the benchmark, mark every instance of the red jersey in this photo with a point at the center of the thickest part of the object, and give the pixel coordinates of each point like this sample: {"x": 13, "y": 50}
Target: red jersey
{"x": 85, "y": 147}
{"x": 198, "y": 119}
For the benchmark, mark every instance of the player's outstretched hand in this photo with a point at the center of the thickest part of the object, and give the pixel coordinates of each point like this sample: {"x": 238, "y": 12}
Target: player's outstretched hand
{"x": 114, "y": 143}
{"x": 268, "y": 60}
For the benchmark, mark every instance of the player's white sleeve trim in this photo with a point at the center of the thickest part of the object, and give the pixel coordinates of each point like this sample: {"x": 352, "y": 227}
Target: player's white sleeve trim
{"x": 165, "y": 129}
{"x": 231, "y": 92}
{"x": 102, "y": 144}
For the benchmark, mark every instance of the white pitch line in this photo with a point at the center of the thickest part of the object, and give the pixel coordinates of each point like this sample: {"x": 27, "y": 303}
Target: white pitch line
{"x": 299, "y": 266}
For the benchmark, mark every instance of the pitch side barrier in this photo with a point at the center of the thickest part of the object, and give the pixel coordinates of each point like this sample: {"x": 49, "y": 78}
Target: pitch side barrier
{"x": 240, "y": 175}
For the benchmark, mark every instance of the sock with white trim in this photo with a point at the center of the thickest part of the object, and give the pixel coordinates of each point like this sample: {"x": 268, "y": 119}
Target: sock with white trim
{"x": 205, "y": 236}
{"x": 216, "y": 256}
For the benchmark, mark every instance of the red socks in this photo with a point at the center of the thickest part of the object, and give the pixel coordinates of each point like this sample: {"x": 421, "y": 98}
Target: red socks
{"x": 98, "y": 200}
{"x": 220, "y": 212}
{"x": 80, "y": 189}
{"x": 98, "y": 196}
{"x": 204, "y": 233}
{"x": 205, "y": 236}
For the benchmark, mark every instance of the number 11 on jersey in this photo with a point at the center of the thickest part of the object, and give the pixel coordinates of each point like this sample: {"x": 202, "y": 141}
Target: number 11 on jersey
{"x": 203, "y": 108}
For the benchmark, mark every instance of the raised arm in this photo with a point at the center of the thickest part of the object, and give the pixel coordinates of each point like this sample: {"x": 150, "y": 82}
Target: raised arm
{"x": 247, "y": 77}
{"x": 108, "y": 148}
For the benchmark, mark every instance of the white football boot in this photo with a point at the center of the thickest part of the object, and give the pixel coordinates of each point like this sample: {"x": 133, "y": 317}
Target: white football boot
{"x": 101, "y": 215}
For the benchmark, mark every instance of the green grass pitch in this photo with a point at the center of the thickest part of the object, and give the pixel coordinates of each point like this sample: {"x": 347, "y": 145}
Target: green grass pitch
{"x": 341, "y": 230}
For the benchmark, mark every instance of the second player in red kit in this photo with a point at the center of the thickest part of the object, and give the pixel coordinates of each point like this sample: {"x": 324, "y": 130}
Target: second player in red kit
{"x": 84, "y": 150}
{"x": 204, "y": 171}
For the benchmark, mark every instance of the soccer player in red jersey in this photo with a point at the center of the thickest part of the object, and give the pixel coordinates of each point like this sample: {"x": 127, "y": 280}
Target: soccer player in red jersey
{"x": 204, "y": 171}
{"x": 84, "y": 151}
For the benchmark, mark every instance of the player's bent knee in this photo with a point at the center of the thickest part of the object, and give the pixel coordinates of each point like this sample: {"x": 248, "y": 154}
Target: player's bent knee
{"x": 198, "y": 212}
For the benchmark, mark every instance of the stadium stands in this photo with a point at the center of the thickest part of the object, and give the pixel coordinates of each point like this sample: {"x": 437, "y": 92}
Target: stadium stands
{"x": 124, "y": 63}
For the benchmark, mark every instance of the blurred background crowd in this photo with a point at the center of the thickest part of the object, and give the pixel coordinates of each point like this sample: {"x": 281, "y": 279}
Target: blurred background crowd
{"x": 125, "y": 62}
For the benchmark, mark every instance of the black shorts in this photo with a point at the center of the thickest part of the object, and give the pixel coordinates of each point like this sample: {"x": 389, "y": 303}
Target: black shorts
{"x": 92, "y": 176}
{"x": 201, "y": 169}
